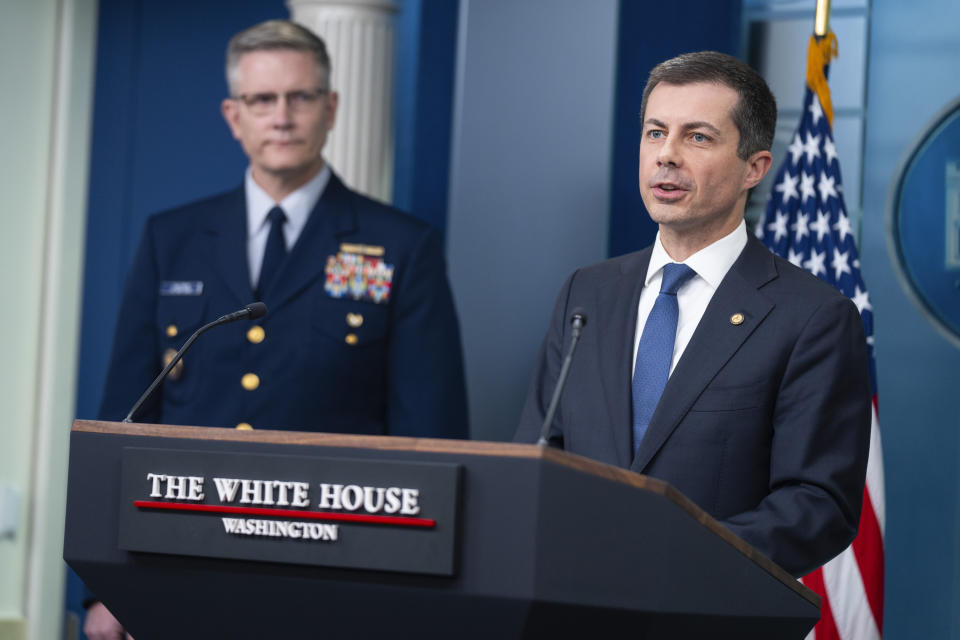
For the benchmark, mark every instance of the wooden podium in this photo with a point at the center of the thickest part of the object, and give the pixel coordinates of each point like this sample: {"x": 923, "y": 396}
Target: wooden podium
{"x": 540, "y": 543}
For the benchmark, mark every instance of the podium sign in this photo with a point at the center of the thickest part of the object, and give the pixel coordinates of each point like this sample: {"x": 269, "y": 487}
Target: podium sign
{"x": 335, "y": 512}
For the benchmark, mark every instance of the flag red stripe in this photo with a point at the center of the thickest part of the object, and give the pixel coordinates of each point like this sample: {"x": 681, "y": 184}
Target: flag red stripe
{"x": 826, "y": 628}
{"x": 868, "y": 549}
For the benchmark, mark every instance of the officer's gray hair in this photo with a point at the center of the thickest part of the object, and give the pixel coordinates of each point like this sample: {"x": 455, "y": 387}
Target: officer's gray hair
{"x": 274, "y": 35}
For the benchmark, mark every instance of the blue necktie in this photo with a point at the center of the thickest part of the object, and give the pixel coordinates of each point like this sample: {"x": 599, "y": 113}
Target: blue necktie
{"x": 655, "y": 351}
{"x": 275, "y": 251}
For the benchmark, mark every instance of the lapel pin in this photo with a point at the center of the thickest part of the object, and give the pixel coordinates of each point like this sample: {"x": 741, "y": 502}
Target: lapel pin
{"x": 736, "y": 319}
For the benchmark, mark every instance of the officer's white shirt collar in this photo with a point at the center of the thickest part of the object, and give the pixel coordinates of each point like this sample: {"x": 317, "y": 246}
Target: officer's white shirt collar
{"x": 297, "y": 206}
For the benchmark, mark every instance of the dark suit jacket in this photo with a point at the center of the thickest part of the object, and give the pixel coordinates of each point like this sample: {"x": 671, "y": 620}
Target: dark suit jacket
{"x": 765, "y": 424}
{"x": 401, "y": 373}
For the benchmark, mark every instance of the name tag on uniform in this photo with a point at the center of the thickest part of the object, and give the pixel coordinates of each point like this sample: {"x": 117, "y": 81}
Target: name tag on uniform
{"x": 181, "y": 288}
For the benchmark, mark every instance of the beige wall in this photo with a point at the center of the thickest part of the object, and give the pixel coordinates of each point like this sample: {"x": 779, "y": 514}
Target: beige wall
{"x": 46, "y": 71}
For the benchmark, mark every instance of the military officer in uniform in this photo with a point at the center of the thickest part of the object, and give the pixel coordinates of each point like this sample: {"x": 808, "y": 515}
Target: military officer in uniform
{"x": 361, "y": 335}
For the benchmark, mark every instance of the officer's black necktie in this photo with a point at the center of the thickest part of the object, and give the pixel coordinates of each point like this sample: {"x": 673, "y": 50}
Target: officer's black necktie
{"x": 275, "y": 251}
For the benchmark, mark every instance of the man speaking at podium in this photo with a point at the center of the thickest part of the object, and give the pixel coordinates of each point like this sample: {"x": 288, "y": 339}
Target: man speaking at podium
{"x": 360, "y": 336}
{"x": 707, "y": 361}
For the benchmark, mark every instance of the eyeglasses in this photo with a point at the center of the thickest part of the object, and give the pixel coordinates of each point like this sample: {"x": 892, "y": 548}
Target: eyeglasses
{"x": 261, "y": 104}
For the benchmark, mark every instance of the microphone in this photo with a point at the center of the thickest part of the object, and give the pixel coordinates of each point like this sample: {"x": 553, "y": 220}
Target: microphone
{"x": 578, "y": 320}
{"x": 253, "y": 311}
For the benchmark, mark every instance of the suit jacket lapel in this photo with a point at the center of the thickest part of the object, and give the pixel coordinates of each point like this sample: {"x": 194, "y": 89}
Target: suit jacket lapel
{"x": 227, "y": 228}
{"x": 332, "y": 216}
{"x": 618, "y": 328}
{"x": 714, "y": 342}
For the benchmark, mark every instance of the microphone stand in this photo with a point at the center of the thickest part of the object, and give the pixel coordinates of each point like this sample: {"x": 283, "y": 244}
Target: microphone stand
{"x": 577, "y": 321}
{"x": 253, "y": 311}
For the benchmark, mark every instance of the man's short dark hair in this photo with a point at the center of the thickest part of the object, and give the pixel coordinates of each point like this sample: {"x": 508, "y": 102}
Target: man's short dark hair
{"x": 274, "y": 35}
{"x": 755, "y": 114}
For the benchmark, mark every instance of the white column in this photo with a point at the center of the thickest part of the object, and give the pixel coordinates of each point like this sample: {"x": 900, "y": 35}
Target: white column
{"x": 359, "y": 38}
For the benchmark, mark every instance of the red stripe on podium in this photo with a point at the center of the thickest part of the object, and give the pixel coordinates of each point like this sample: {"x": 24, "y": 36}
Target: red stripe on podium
{"x": 399, "y": 521}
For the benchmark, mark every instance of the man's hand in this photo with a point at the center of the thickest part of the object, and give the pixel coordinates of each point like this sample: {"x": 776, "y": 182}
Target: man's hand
{"x": 101, "y": 625}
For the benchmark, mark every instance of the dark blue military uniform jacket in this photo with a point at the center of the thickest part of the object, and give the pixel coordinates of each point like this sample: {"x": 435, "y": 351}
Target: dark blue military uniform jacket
{"x": 360, "y": 335}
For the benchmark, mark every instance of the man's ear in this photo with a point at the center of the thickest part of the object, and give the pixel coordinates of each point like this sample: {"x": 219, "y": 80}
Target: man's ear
{"x": 231, "y": 113}
{"x": 757, "y": 167}
{"x": 333, "y": 101}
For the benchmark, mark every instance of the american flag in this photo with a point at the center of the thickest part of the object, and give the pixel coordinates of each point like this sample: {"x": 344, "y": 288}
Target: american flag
{"x": 807, "y": 223}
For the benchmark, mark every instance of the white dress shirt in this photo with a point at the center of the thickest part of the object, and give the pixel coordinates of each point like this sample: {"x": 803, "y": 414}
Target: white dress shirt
{"x": 711, "y": 264}
{"x": 297, "y": 206}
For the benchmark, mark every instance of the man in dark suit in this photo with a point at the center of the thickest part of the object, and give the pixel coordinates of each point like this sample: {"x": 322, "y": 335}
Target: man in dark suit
{"x": 707, "y": 361}
{"x": 361, "y": 334}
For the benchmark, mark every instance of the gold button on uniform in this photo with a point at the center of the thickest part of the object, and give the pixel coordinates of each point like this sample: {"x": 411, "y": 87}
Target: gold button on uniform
{"x": 351, "y": 338}
{"x": 354, "y": 319}
{"x": 250, "y": 381}
{"x": 172, "y": 331}
{"x": 256, "y": 334}
{"x": 736, "y": 318}
{"x": 177, "y": 372}
{"x": 244, "y": 426}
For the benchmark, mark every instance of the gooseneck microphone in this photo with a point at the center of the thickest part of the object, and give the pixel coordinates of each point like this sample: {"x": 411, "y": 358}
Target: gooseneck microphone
{"x": 253, "y": 311}
{"x": 578, "y": 320}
